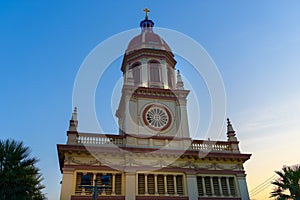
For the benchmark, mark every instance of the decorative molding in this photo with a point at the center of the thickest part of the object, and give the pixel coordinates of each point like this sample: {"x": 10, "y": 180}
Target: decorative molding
{"x": 71, "y": 159}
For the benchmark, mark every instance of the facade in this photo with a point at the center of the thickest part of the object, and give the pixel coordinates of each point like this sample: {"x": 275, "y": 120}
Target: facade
{"x": 153, "y": 157}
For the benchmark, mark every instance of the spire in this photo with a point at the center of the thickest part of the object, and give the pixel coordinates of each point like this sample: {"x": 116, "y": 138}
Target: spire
{"x": 230, "y": 131}
{"x": 234, "y": 143}
{"x": 146, "y": 24}
{"x": 73, "y": 122}
{"x": 179, "y": 84}
{"x": 229, "y": 127}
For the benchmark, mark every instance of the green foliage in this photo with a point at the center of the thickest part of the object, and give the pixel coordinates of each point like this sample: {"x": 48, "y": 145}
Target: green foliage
{"x": 19, "y": 178}
{"x": 288, "y": 184}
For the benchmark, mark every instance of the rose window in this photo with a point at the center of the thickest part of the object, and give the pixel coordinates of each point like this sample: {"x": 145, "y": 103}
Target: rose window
{"x": 157, "y": 117}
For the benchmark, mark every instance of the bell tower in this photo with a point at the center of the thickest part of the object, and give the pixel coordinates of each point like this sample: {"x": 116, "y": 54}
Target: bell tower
{"x": 153, "y": 101}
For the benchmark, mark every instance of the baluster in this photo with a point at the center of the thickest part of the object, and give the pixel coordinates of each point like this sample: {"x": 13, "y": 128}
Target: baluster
{"x": 203, "y": 186}
{"x": 175, "y": 185}
{"x": 220, "y": 186}
{"x": 165, "y": 184}
{"x": 228, "y": 187}
{"x": 212, "y": 186}
{"x": 155, "y": 184}
{"x": 146, "y": 184}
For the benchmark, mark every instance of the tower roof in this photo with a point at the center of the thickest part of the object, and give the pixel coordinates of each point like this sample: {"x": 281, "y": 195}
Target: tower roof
{"x": 147, "y": 39}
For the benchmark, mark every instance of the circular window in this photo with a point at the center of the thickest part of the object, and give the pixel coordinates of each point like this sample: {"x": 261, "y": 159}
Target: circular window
{"x": 157, "y": 117}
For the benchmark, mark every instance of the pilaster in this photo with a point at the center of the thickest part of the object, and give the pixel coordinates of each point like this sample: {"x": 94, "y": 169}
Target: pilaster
{"x": 192, "y": 186}
{"x": 130, "y": 185}
{"x": 242, "y": 186}
{"x": 67, "y": 186}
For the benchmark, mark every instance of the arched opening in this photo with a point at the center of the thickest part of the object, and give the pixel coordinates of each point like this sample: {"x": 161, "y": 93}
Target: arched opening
{"x": 154, "y": 71}
{"x": 136, "y": 73}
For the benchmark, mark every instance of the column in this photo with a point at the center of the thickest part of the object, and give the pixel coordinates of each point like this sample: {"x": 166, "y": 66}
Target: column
{"x": 192, "y": 186}
{"x": 212, "y": 186}
{"x": 155, "y": 184}
{"x": 144, "y": 69}
{"x": 93, "y": 180}
{"x": 130, "y": 186}
{"x": 146, "y": 184}
{"x": 175, "y": 185}
{"x": 220, "y": 186}
{"x": 242, "y": 185}
{"x": 165, "y": 184}
{"x": 228, "y": 188}
{"x": 203, "y": 186}
{"x": 113, "y": 182}
{"x": 67, "y": 183}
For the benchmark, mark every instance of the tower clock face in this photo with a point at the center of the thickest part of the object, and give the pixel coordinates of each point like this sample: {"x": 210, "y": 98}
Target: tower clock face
{"x": 157, "y": 117}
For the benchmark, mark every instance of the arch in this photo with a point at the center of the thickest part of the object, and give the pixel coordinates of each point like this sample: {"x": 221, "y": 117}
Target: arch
{"x": 136, "y": 64}
{"x": 154, "y": 71}
{"x": 153, "y": 61}
{"x": 136, "y": 72}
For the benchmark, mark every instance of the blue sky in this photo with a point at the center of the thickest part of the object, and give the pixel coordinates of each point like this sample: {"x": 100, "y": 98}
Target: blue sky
{"x": 255, "y": 45}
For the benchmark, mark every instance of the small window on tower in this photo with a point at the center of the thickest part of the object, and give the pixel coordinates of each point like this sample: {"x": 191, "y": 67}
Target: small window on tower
{"x": 154, "y": 68}
{"x": 136, "y": 73}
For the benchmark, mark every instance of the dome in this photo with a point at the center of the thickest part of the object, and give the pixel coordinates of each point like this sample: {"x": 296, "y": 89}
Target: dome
{"x": 148, "y": 45}
{"x": 147, "y": 40}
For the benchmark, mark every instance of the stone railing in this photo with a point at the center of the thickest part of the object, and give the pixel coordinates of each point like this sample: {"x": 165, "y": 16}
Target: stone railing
{"x": 99, "y": 139}
{"x": 206, "y": 145}
{"x": 154, "y": 142}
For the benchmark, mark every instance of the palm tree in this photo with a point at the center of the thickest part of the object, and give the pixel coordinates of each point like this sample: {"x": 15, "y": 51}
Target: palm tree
{"x": 288, "y": 183}
{"x": 19, "y": 178}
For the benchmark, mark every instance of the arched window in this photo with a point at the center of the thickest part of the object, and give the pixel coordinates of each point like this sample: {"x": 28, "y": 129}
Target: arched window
{"x": 136, "y": 73}
{"x": 154, "y": 68}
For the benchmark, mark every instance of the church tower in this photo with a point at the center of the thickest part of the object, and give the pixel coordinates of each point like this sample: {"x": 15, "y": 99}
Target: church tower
{"x": 153, "y": 101}
{"x": 153, "y": 155}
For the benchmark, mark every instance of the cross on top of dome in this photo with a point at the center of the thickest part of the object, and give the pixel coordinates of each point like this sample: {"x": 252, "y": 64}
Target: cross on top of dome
{"x": 146, "y": 24}
{"x": 146, "y": 10}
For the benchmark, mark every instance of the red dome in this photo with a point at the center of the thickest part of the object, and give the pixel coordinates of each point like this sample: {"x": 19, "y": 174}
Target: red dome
{"x": 147, "y": 40}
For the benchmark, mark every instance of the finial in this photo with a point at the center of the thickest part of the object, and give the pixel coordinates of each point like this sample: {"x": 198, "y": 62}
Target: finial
{"x": 73, "y": 122}
{"x": 229, "y": 127}
{"x": 146, "y": 10}
{"x": 232, "y": 138}
{"x": 228, "y": 121}
{"x": 146, "y": 24}
{"x": 74, "y": 114}
{"x": 179, "y": 84}
{"x": 230, "y": 131}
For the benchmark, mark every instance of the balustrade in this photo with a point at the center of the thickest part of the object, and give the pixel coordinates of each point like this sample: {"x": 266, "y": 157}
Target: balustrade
{"x": 199, "y": 145}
